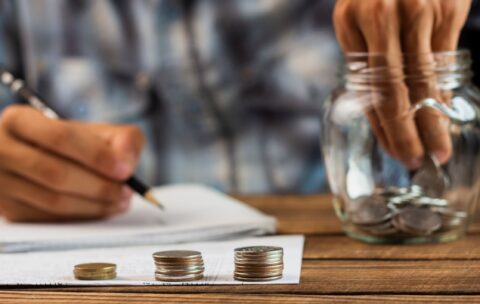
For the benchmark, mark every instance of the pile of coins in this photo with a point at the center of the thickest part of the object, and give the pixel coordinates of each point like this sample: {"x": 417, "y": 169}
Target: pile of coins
{"x": 95, "y": 271}
{"x": 418, "y": 210}
{"x": 178, "y": 265}
{"x": 258, "y": 263}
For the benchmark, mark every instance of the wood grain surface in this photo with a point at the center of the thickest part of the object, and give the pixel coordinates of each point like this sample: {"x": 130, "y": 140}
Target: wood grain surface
{"x": 336, "y": 269}
{"x": 134, "y": 298}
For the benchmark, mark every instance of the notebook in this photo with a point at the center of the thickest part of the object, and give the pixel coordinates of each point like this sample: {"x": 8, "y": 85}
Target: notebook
{"x": 193, "y": 213}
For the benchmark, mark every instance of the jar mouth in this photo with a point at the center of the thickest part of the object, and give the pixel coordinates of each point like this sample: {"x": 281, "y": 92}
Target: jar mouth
{"x": 448, "y": 69}
{"x": 456, "y": 53}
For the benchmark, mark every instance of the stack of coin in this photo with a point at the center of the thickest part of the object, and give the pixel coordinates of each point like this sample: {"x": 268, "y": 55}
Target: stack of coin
{"x": 258, "y": 263}
{"x": 178, "y": 265}
{"x": 95, "y": 271}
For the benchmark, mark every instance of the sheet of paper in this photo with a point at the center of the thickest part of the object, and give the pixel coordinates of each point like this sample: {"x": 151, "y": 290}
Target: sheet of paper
{"x": 193, "y": 213}
{"x": 135, "y": 264}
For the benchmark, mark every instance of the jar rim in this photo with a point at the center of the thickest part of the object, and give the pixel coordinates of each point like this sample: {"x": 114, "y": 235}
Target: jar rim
{"x": 457, "y": 53}
{"x": 449, "y": 69}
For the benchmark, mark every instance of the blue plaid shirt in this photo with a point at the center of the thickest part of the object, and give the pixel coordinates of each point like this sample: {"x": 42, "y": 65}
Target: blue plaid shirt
{"x": 227, "y": 92}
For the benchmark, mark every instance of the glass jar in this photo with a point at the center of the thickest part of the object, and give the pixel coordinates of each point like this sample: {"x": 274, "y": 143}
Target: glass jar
{"x": 379, "y": 196}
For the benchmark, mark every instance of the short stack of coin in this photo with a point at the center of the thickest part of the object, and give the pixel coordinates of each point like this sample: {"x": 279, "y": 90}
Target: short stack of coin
{"x": 258, "y": 263}
{"x": 178, "y": 265}
{"x": 95, "y": 271}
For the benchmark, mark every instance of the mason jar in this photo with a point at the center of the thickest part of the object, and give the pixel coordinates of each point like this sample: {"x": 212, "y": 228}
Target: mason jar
{"x": 379, "y": 195}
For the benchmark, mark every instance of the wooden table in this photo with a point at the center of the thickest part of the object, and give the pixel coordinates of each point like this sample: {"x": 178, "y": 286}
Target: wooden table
{"x": 335, "y": 269}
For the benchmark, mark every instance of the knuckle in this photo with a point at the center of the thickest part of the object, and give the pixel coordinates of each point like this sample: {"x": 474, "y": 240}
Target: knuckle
{"x": 10, "y": 116}
{"x": 135, "y": 134}
{"x": 375, "y": 16}
{"x": 379, "y": 8}
{"x": 103, "y": 158}
{"x": 415, "y": 10}
{"x": 341, "y": 15}
{"x": 407, "y": 148}
{"x": 415, "y": 6}
{"x": 54, "y": 175}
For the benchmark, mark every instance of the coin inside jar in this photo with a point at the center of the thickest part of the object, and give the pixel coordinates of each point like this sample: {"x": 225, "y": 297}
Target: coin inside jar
{"x": 371, "y": 210}
{"x": 382, "y": 229}
{"x": 430, "y": 178}
{"x": 418, "y": 221}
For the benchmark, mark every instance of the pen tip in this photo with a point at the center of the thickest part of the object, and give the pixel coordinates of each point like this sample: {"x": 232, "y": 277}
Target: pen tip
{"x": 151, "y": 198}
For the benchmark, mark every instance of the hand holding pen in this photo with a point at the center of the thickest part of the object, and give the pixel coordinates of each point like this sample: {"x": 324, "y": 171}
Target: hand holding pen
{"x": 53, "y": 170}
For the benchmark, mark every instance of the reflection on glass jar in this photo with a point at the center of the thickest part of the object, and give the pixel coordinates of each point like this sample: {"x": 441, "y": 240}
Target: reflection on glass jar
{"x": 401, "y": 142}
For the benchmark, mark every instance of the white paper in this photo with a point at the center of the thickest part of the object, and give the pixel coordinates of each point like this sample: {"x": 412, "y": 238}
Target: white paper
{"x": 135, "y": 264}
{"x": 193, "y": 213}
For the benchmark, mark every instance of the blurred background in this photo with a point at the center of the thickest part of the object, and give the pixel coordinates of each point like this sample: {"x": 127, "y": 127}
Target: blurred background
{"x": 227, "y": 92}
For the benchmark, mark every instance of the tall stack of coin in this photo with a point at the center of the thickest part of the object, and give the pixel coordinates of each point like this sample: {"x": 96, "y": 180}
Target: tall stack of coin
{"x": 95, "y": 271}
{"x": 178, "y": 265}
{"x": 258, "y": 263}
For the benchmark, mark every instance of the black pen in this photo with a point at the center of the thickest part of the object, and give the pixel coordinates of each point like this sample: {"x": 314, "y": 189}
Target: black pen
{"x": 19, "y": 88}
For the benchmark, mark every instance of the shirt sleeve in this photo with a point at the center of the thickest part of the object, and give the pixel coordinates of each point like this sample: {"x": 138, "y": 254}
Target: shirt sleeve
{"x": 9, "y": 47}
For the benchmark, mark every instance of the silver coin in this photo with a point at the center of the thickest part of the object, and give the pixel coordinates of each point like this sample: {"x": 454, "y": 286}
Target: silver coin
{"x": 429, "y": 201}
{"x": 415, "y": 189}
{"x": 403, "y": 199}
{"x": 450, "y": 217}
{"x": 277, "y": 263}
{"x": 184, "y": 269}
{"x": 258, "y": 274}
{"x": 259, "y": 251}
{"x": 371, "y": 210}
{"x": 253, "y": 262}
{"x": 173, "y": 255}
{"x": 177, "y": 273}
{"x": 259, "y": 258}
{"x": 417, "y": 221}
{"x": 391, "y": 191}
{"x": 179, "y": 263}
{"x": 450, "y": 212}
{"x": 185, "y": 278}
{"x": 383, "y": 229}
{"x": 258, "y": 268}
{"x": 193, "y": 267}
{"x": 451, "y": 222}
{"x": 254, "y": 279}
{"x": 431, "y": 178}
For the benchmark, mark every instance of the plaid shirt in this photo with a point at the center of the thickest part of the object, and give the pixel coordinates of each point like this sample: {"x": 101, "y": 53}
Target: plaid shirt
{"x": 227, "y": 92}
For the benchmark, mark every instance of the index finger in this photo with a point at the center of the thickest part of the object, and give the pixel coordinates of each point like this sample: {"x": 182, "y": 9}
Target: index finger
{"x": 351, "y": 40}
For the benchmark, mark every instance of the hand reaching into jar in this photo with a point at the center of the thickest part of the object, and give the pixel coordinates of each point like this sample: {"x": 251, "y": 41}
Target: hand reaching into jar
{"x": 400, "y": 29}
